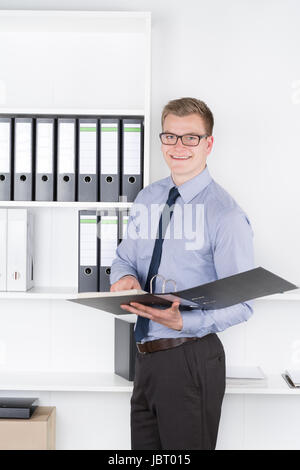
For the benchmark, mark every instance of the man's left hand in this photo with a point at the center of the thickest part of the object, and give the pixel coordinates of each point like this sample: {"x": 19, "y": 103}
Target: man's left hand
{"x": 170, "y": 317}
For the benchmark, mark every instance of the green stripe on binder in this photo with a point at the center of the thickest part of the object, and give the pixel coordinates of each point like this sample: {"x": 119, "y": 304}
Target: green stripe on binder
{"x": 109, "y": 129}
{"x": 88, "y": 129}
{"x": 88, "y": 221}
{"x": 132, "y": 129}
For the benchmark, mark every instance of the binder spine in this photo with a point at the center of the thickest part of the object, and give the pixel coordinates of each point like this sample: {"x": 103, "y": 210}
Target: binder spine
{"x": 6, "y": 146}
{"x": 67, "y": 160}
{"x": 12, "y": 160}
{"x": 109, "y": 139}
{"x": 132, "y": 158}
{"x": 87, "y": 252}
{"x": 55, "y": 157}
{"x": 23, "y": 159}
{"x": 88, "y": 160}
{"x": 44, "y": 174}
{"x": 108, "y": 241}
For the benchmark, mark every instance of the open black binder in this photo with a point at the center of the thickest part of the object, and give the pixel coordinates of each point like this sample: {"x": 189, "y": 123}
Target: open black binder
{"x": 248, "y": 285}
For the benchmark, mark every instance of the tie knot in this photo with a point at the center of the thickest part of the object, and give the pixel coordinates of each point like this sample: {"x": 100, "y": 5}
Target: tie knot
{"x": 173, "y": 195}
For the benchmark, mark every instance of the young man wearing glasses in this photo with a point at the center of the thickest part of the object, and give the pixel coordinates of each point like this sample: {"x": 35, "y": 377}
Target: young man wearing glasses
{"x": 180, "y": 365}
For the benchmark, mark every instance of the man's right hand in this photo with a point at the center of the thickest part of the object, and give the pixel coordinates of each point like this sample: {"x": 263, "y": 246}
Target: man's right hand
{"x": 125, "y": 283}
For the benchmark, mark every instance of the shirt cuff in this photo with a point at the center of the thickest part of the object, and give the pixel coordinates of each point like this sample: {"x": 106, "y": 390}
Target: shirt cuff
{"x": 114, "y": 277}
{"x": 188, "y": 322}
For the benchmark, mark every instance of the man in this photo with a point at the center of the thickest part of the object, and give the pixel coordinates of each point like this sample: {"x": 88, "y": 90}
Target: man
{"x": 180, "y": 365}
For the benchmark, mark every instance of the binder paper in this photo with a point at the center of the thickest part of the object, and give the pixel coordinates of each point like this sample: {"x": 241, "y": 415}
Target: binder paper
{"x": 109, "y": 239}
{"x": 109, "y": 148}
{"x": 44, "y": 150}
{"x": 87, "y": 147}
{"x": 66, "y": 147}
{"x": 132, "y": 149}
{"x": 244, "y": 372}
{"x": 5, "y": 147}
{"x": 23, "y": 150}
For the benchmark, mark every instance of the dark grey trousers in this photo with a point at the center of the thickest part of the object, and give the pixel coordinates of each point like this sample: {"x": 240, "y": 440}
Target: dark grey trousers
{"x": 177, "y": 396}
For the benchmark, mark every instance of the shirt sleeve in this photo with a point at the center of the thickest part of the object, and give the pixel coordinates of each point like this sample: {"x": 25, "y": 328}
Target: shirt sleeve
{"x": 233, "y": 253}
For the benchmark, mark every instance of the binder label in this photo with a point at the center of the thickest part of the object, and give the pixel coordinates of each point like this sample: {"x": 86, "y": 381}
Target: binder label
{"x": 87, "y": 147}
{"x": 88, "y": 240}
{"x": 23, "y": 147}
{"x": 4, "y": 147}
{"x": 109, "y": 239}
{"x": 66, "y": 147}
{"x": 109, "y": 148}
{"x": 132, "y": 149}
{"x": 44, "y": 147}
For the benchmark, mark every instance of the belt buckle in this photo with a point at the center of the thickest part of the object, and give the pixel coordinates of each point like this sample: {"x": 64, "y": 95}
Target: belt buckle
{"x": 141, "y": 352}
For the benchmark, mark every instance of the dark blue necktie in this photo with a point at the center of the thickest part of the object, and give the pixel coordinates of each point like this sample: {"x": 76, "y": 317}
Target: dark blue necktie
{"x": 142, "y": 323}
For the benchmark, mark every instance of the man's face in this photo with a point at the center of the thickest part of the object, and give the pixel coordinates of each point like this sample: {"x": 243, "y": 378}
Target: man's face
{"x": 186, "y": 168}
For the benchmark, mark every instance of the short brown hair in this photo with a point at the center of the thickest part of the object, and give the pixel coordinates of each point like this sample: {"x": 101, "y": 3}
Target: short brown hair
{"x": 185, "y": 106}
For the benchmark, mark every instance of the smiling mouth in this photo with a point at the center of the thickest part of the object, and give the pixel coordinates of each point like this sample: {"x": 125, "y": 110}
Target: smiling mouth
{"x": 176, "y": 157}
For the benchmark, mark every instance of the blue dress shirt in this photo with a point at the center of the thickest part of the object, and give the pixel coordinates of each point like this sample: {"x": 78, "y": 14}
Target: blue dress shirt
{"x": 209, "y": 237}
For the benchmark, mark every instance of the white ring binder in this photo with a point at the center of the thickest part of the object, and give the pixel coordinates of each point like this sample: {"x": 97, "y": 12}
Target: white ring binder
{"x": 156, "y": 275}
{"x": 169, "y": 280}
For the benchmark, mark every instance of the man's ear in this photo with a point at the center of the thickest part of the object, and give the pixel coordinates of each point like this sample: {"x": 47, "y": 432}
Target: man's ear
{"x": 210, "y": 141}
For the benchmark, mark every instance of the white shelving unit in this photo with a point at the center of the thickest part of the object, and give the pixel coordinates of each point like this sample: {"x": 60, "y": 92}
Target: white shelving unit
{"x": 108, "y": 75}
{"x": 105, "y": 382}
{"x": 89, "y": 63}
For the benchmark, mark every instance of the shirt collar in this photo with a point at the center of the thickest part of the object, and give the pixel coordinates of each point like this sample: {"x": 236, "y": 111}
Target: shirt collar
{"x": 194, "y": 186}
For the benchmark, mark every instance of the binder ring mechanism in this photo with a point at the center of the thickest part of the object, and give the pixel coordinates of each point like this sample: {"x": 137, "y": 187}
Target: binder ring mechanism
{"x": 164, "y": 283}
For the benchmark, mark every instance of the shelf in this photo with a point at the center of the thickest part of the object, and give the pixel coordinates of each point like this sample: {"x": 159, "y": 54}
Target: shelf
{"x": 73, "y": 111}
{"x": 60, "y": 21}
{"x": 109, "y": 382}
{"x": 64, "y": 382}
{"x": 74, "y": 205}
{"x": 43, "y": 293}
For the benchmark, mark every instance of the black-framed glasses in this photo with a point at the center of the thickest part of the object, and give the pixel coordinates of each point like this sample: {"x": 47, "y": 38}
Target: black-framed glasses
{"x": 190, "y": 140}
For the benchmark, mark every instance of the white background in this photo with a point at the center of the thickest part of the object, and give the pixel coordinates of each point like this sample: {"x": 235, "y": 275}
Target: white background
{"x": 242, "y": 59}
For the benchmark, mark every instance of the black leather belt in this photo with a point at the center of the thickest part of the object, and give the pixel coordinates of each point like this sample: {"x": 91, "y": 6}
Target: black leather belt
{"x": 161, "y": 344}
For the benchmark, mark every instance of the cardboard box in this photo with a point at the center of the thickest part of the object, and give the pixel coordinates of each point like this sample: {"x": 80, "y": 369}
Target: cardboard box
{"x": 35, "y": 433}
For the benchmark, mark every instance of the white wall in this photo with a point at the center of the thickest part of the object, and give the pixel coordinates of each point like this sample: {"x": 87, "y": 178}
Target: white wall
{"x": 241, "y": 57}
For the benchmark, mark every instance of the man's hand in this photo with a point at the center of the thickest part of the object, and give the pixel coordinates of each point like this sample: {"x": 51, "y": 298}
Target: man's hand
{"x": 170, "y": 317}
{"x": 125, "y": 283}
